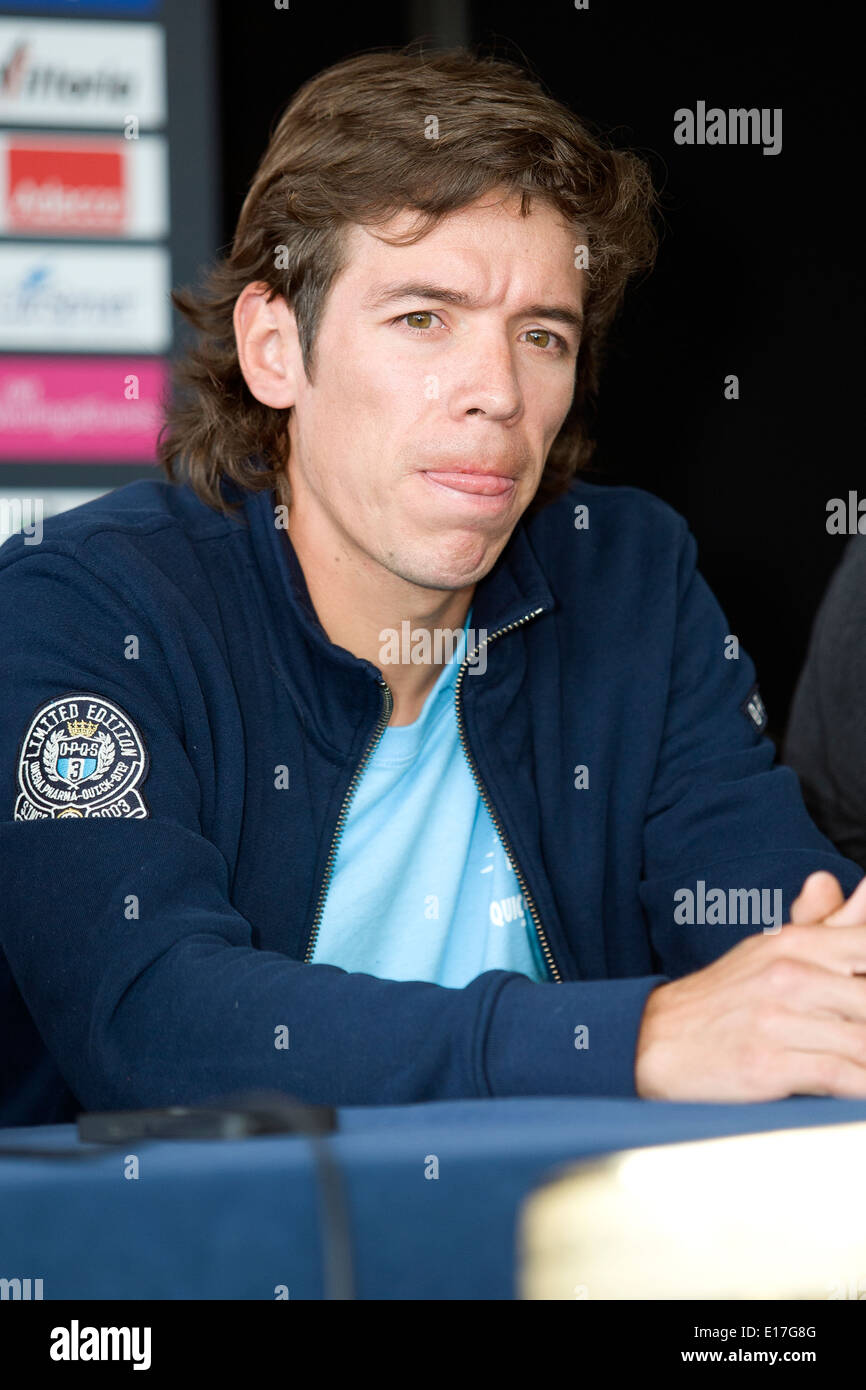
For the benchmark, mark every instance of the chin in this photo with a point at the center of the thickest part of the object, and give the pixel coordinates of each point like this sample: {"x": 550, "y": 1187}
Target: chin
{"x": 454, "y": 564}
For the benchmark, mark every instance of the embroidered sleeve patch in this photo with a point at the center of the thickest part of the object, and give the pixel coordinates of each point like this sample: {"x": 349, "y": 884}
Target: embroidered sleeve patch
{"x": 753, "y": 708}
{"x": 81, "y": 757}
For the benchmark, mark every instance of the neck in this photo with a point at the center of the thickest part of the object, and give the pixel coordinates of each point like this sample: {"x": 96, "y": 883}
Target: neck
{"x": 360, "y": 604}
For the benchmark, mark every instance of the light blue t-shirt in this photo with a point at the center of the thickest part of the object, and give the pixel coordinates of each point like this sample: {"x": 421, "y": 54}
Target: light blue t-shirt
{"x": 422, "y": 888}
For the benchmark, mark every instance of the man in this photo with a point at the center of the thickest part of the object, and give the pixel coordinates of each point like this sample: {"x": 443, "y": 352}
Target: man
{"x": 556, "y": 860}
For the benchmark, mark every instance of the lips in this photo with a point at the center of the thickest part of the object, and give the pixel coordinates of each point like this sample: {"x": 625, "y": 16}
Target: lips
{"x": 482, "y": 484}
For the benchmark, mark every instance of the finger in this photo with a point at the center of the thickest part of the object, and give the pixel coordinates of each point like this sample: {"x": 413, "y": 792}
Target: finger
{"x": 813, "y": 991}
{"x": 854, "y": 910}
{"x": 836, "y": 947}
{"x": 820, "y": 895}
{"x": 837, "y": 1036}
{"x": 823, "y": 1074}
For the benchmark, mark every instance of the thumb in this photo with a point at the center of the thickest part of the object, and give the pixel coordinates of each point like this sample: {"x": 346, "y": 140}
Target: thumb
{"x": 819, "y": 896}
{"x": 853, "y": 912}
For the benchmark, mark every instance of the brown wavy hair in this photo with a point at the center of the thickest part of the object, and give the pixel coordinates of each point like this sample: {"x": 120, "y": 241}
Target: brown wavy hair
{"x": 351, "y": 148}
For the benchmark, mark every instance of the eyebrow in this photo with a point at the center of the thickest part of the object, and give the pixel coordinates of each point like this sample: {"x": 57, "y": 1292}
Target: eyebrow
{"x": 414, "y": 289}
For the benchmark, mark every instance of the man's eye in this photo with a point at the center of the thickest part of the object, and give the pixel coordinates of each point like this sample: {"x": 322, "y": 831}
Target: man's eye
{"x": 549, "y": 338}
{"x": 411, "y": 320}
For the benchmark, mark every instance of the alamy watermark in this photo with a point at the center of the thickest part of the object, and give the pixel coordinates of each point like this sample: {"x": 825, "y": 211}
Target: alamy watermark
{"x": 421, "y": 647}
{"x": 846, "y": 516}
{"x": 747, "y": 907}
{"x": 23, "y": 1289}
{"x": 736, "y": 126}
{"x": 77, "y": 1343}
{"x": 21, "y": 514}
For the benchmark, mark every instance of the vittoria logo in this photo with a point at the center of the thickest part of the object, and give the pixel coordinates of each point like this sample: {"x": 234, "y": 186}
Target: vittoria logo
{"x": 81, "y": 757}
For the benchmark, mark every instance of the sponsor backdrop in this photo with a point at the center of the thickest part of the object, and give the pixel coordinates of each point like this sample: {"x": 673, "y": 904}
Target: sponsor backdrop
{"x": 108, "y": 155}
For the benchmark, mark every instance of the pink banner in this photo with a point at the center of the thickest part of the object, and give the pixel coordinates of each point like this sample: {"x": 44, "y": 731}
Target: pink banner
{"x": 65, "y": 409}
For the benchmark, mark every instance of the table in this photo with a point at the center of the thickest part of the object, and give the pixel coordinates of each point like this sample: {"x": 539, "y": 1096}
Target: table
{"x": 236, "y": 1219}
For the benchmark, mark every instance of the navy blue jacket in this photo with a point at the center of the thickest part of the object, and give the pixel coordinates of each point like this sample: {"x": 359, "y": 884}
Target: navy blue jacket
{"x": 159, "y": 958}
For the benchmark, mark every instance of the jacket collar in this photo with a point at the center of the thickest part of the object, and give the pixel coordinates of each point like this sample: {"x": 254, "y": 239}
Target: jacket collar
{"x": 514, "y": 588}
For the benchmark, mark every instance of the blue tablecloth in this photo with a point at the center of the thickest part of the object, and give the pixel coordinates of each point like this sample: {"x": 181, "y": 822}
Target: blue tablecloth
{"x": 236, "y": 1219}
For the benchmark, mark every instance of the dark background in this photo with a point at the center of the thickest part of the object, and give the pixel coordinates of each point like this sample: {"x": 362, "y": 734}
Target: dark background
{"x": 759, "y": 271}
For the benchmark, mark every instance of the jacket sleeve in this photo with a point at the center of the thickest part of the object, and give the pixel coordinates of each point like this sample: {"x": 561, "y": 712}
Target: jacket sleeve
{"x": 723, "y": 816}
{"x": 140, "y": 974}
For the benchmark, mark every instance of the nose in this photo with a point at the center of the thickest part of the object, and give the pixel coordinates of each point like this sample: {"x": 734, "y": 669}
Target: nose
{"x": 485, "y": 381}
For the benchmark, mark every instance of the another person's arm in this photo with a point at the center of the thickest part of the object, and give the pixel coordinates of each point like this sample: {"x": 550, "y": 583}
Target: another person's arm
{"x": 825, "y": 742}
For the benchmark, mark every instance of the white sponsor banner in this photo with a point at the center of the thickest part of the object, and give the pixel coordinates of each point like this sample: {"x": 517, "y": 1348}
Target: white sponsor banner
{"x": 85, "y": 299}
{"x": 83, "y": 185}
{"x": 81, "y": 73}
{"x": 25, "y": 509}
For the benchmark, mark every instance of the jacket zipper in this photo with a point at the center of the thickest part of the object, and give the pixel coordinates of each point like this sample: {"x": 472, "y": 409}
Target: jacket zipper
{"x": 384, "y": 716}
{"x": 542, "y": 939}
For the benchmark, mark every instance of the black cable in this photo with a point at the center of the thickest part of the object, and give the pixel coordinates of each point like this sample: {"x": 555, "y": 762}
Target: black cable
{"x": 336, "y": 1235}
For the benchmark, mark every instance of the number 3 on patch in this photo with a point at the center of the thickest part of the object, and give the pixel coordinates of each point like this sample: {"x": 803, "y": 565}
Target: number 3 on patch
{"x": 81, "y": 757}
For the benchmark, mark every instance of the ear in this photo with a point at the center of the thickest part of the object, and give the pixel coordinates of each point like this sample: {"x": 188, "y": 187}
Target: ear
{"x": 269, "y": 351}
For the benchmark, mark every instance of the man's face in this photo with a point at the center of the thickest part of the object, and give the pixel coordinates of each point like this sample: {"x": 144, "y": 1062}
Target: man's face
{"x": 425, "y": 433}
